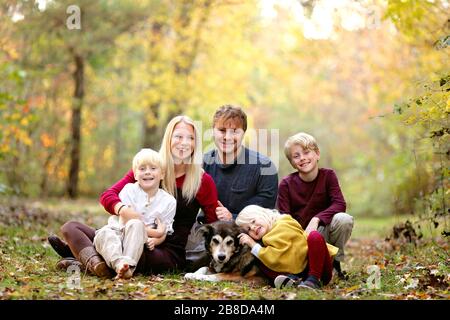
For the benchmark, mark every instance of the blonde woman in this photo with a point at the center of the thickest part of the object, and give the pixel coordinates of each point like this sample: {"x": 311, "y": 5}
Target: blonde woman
{"x": 184, "y": 179}
{"x": 286, "y": 250}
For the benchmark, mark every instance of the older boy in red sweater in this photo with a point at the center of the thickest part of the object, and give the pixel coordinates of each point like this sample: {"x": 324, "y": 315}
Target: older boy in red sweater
{"x": 313, "y": 197}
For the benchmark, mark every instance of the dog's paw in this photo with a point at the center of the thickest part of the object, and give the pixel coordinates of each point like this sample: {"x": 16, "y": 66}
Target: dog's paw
{"x": 202, "y": 270}
{"x": 201, "y": 277}
{"x": 207, "y": 277}
{"x": 194, "y": 276}
{"x": 190, "y": 276}
{"x": 210, "y": 278}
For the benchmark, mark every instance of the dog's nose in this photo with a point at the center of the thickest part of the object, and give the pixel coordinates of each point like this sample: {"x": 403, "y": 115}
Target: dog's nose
{"x": 221, "y": 257}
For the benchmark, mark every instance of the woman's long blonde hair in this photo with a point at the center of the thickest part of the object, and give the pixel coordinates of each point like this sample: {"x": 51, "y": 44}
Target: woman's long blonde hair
{"x": 270, "y": 216}
{"x": 194, "y": 171}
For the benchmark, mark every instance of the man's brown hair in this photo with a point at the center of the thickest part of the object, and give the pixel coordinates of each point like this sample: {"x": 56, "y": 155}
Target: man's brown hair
{"x": 227, "y": 112}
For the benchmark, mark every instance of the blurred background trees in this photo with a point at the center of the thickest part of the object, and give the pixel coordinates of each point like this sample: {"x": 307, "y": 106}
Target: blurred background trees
{"x": 369, "y": 79}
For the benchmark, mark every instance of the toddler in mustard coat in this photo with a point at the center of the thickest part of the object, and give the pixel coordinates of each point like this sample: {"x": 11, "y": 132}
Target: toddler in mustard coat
{"x": 287, "y": 251}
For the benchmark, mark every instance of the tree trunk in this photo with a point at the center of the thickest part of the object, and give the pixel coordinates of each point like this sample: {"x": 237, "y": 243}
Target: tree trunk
{"x": 152, "y": 131}
{"x": 44, "y": 181}
{"x": 118, "y": 140}
{"x": 187, "y": 46}
{"x": 75, "y": 143}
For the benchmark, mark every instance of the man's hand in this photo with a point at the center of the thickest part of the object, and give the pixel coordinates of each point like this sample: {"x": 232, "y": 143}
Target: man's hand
{"x": 222, "y": 213}
{"x": 312, "y": 225}
{"x": 246, "y": 239}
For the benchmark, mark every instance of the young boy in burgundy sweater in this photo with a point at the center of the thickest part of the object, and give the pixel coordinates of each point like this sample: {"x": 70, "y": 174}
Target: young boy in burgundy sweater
{"x": 313, "y": 197}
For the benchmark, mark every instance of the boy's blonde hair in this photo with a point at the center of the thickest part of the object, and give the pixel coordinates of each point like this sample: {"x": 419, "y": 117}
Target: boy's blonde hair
{"x": 194, "y": 169}
{"x": 249, "y": 213}
{"x": 148, "y": 156}
{"x": 306, "y": 141}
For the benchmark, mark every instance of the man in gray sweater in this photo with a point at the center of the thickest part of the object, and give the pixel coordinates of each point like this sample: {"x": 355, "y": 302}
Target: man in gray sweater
{"x": 242, "y": 176}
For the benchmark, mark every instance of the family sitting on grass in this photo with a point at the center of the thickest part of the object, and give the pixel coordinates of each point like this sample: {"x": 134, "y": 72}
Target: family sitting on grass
{"x": 159, "y": 205}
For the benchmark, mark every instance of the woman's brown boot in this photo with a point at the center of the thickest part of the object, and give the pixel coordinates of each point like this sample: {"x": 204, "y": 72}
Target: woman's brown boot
{"x": 64, "y": 263}
{"x": 60, "y": 246}
{"x": 95, "y": 263}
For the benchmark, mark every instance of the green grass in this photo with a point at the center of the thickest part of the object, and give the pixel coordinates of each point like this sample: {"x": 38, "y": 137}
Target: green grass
{"x": 27, "y": 263}
{"x": 381, "y": 227}
{"x": 374, "y": 227}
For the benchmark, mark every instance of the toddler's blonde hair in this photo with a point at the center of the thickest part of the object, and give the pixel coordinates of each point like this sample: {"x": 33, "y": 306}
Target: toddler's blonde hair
{"x": 148, "y": 156}
{"x": 306, "y": 141}
{"x": 270, "y": 216}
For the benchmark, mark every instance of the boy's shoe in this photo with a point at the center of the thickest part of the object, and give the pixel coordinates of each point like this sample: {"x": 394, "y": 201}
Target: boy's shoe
{"x": 341, "y": 274}
{"x": 287, "y": 281}
{"x": 311, "y": 283}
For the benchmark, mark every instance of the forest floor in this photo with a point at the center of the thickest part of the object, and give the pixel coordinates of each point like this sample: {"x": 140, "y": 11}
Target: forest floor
{"x": 407, "y": 270}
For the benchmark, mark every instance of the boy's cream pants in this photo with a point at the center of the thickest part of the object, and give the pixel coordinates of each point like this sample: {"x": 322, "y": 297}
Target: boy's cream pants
{"x": 338, "y": 232}
{"x": 121, "y": 245}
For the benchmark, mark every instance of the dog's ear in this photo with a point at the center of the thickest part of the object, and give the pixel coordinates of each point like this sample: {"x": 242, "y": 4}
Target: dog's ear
{"x": 206, "y": 231}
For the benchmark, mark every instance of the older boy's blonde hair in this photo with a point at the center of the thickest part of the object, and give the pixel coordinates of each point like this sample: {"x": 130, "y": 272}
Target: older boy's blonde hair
{"x": 306, "y": 141}
{"x": 148, "y": 156}
{"x": 194, "y": 171}
{"x": 249, "y": 213}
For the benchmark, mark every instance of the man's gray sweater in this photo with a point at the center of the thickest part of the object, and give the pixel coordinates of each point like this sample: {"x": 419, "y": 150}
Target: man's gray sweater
{"x": 251, "y": 179}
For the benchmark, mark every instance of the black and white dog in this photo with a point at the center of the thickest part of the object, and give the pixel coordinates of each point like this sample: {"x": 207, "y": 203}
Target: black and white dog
{"x": 229, "y": 260}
